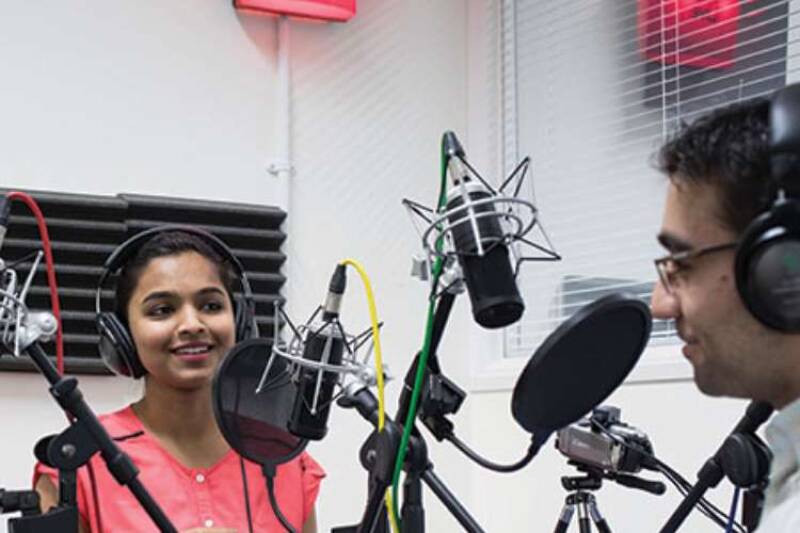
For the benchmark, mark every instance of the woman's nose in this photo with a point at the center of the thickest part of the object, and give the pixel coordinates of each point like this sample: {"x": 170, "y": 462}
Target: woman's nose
{"x": 190, "y": 322}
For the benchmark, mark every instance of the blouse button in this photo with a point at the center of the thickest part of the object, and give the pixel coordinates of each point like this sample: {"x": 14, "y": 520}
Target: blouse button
{"x": 208, "y": 523}
{"x": 200, "y": 478}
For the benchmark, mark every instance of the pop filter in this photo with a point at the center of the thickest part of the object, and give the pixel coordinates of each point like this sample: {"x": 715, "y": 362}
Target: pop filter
{"x": 256, "y": 425}
{"x": 581, "y": 363}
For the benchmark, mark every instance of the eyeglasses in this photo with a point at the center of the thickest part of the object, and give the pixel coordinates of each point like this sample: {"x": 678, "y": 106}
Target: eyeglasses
{"x": 669, "y": 266}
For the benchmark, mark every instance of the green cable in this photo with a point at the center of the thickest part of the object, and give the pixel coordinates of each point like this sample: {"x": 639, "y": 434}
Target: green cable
{"x": 423, "y": 359}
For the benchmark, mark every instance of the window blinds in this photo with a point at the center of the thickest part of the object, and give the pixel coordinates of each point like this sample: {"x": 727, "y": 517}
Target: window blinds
{"x": 591, "y": 89}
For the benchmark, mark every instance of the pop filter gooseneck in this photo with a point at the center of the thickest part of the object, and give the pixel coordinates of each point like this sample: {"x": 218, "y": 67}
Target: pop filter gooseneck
{"x": 581, "y": 363}
{"x": 256, "y": 425}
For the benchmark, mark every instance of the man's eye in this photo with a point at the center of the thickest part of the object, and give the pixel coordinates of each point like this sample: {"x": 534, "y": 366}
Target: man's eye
{"x": 681, "y": 269}
{"x": 681, "y": 265}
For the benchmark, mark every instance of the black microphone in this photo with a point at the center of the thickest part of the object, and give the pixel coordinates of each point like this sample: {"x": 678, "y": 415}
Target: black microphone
{"x": 493, "y": 292}
{"x": 315, "y": 387}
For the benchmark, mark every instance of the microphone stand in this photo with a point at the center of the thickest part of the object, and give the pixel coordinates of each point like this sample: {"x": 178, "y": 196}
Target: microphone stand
{"x": 713, "y": 470}
{"x": 76, "y": 445}
{"x": 379, "y": 452}
{"x": 378, "y": 455}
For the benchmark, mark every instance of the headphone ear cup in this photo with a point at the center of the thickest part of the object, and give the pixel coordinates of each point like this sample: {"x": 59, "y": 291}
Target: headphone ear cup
{"x": 244, "y": 319}
{"x": 745, "y": 460}
{"x": 767, "y": 267}
{"x": 116, "y": 347}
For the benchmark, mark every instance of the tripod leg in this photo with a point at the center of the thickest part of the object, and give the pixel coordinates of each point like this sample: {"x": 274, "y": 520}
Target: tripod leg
{"x": 599, "y": 521}
{"x": 566, "y": 515}
{"x": 583, "y": 515}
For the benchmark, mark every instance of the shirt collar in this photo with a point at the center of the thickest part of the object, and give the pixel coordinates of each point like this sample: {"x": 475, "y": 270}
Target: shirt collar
{"x": 783, "y": 436}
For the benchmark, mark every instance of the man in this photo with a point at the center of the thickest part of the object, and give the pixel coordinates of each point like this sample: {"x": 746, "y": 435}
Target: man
{"x": 719, "y": 181}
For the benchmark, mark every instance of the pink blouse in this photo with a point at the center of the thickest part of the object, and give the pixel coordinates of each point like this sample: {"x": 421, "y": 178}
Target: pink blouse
{"x": 190, "y": 497}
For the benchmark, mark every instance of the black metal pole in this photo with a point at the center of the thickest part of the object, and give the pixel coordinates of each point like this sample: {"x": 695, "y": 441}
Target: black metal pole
{"x": 69, "y": 397}
{"x": 441, "y": 315}
{"x": 450, "y": 501}
{"x": 711, "y": 473}
{"x": 412, "y": 514}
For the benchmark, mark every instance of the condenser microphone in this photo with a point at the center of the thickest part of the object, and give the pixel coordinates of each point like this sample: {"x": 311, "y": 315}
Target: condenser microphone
{"x": 315, "y": 387}
{"x": 480, "y": 244}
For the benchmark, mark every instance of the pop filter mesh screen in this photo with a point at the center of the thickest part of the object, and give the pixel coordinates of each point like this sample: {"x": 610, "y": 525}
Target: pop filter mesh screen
{"x": 255, "y": 425}
{"x": 581, "y": 363}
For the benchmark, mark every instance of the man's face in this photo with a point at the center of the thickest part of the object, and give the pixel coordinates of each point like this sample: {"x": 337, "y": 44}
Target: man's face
{"x": 731, "y": 352}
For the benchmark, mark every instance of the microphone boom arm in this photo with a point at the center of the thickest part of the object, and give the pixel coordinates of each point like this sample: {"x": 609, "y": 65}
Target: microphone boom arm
{"x": 65, "y": 391}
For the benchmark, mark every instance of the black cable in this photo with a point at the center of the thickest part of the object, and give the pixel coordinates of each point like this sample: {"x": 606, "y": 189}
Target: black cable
{"x": 246, "y": 496}
{"x": 269, "y": 473}
{"x": 707, "y": 508}
{"x": 95, "y": 496}
{"x": 466, "y": 450}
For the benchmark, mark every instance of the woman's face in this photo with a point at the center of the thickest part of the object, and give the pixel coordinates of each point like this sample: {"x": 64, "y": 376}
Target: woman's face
{"x": 181, "y": 320}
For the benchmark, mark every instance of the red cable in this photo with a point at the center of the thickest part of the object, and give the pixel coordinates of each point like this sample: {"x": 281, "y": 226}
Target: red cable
{"x": 51, "y": 270}
{"x": 56, "y": 307}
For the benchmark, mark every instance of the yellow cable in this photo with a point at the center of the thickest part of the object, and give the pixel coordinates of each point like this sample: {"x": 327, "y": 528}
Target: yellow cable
{"x": 373, "y": 315}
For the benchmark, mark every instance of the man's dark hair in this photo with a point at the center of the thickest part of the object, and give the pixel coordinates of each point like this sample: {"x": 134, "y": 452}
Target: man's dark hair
{"x": 161, "y": 245}
{"x": 729, "y": 150}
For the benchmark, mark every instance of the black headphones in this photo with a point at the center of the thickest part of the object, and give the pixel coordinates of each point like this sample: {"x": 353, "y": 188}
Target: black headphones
{"x": 116, "y": 345}
{"x": 768, "y": 256}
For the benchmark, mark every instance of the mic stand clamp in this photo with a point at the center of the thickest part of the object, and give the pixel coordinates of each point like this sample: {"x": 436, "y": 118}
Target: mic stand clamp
{"x": 440, "y": 397}
{"x": 26, "y": 501}
{"x": 61, "y": 519}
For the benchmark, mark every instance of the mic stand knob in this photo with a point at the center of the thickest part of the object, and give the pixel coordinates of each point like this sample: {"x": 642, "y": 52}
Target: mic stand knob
{"x": 26, "y": 501}
{"x": 61, "y": 519}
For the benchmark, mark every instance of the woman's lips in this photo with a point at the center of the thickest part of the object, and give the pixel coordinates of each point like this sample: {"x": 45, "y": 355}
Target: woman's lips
{"x": 191, "y": 353}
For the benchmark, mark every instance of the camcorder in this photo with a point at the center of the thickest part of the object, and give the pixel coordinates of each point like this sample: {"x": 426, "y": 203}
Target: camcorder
{"x": 601, "y": 440}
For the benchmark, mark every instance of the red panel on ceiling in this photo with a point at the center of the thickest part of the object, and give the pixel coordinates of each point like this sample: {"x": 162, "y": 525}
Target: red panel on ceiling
{"x": 698, "y": 33}
{"x": 336, "y": 10}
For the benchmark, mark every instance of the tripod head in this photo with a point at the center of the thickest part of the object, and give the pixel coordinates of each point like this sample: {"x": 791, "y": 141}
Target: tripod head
{"x": 593, "y": 480}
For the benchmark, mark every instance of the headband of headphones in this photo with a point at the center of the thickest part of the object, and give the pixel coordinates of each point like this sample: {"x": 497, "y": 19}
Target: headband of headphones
{"x": 123, "y": 253}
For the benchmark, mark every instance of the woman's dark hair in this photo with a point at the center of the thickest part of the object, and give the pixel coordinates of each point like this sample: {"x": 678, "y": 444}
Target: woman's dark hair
{"x": 729, "y": 150}
{"x": 165, "y": 244}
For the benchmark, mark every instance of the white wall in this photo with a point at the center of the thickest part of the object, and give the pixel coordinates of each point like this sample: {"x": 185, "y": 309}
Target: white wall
{"x": 178, "y": 98}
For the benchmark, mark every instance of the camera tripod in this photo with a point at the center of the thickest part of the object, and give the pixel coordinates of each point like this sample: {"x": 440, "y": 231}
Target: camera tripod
{"x": 580, "y": 496}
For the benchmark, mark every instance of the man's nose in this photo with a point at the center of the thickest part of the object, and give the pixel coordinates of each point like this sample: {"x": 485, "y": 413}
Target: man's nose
{"x": 663, "y": 304}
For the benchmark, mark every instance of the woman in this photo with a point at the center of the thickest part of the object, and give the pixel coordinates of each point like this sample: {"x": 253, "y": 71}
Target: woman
{"x": 174, "y": 295}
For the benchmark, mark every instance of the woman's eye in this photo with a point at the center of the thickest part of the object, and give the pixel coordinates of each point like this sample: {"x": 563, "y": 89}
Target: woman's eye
{"x": 213, "y": 306}
{"x": 159, "y": 310}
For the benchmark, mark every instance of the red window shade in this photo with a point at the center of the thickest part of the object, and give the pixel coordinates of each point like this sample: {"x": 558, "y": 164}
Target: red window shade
{"x": 337, "y": 10}
{"x": 697, "y": 33}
